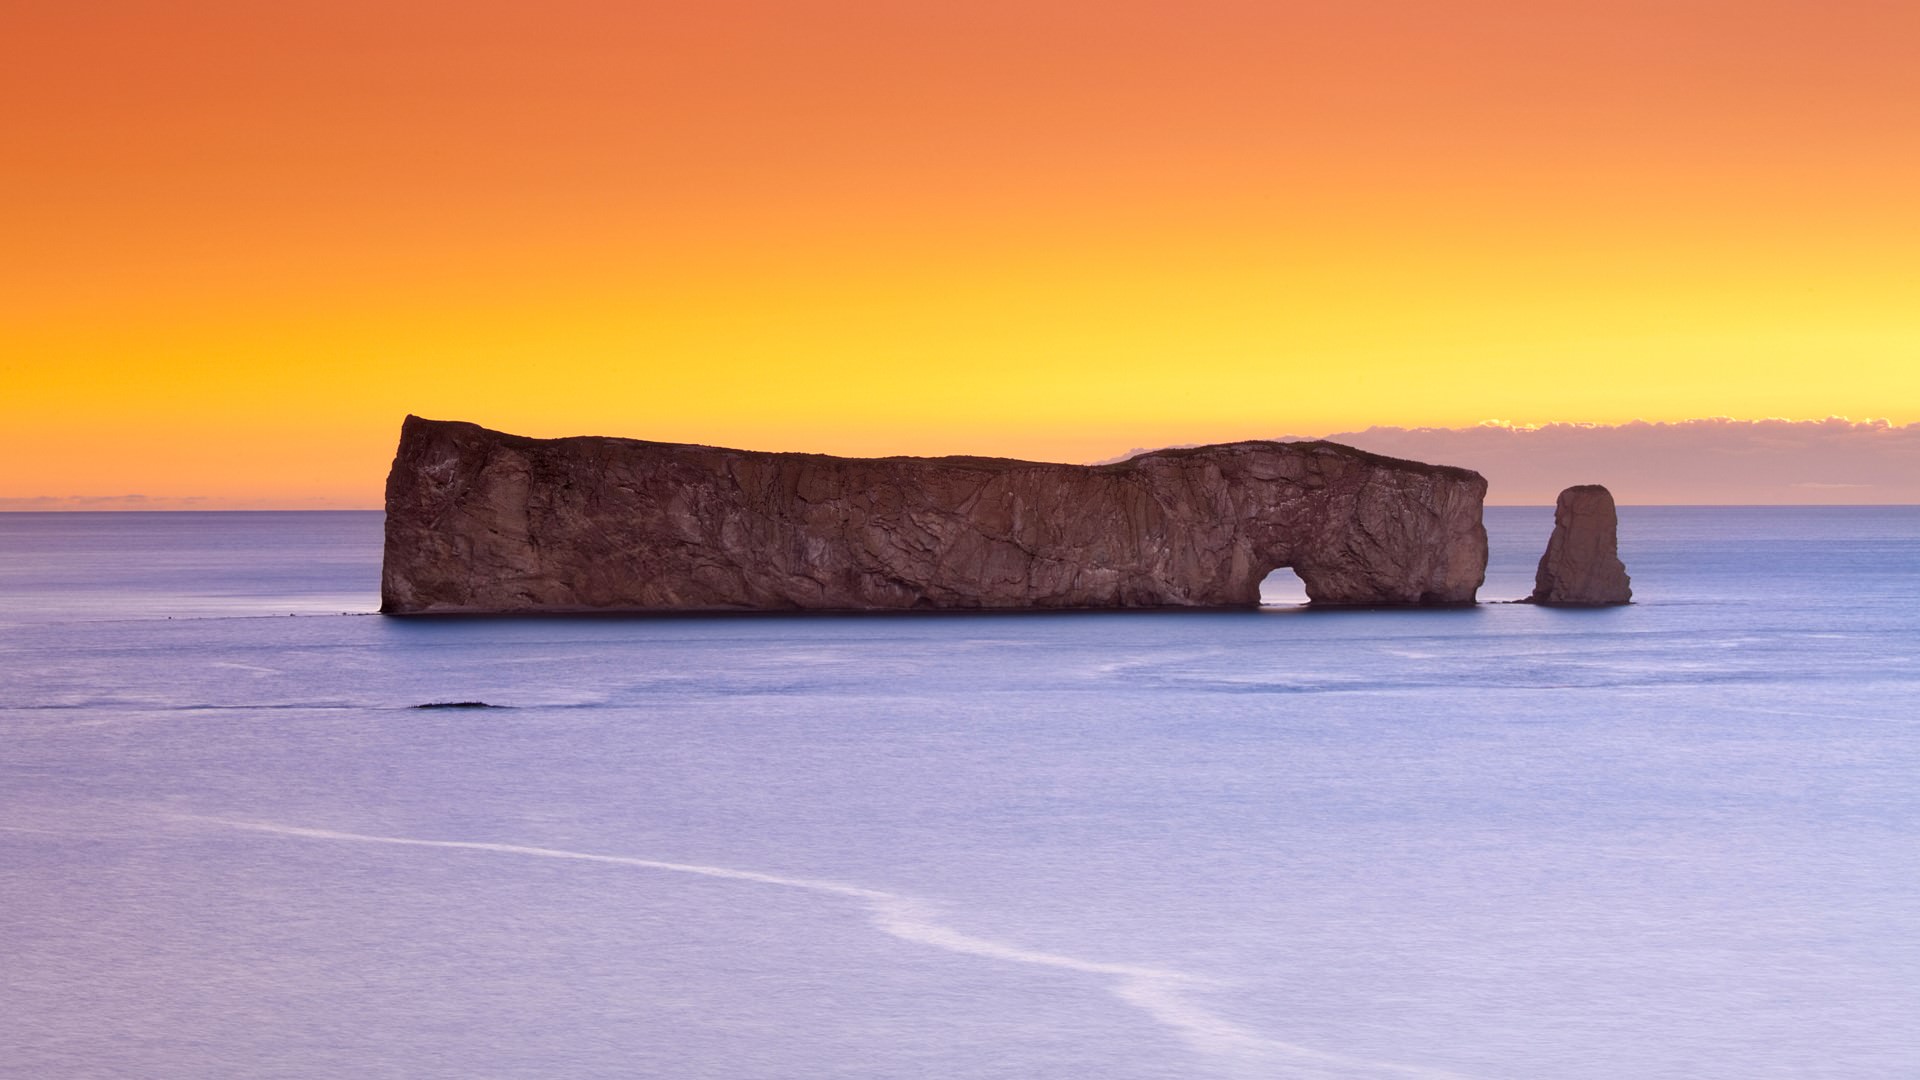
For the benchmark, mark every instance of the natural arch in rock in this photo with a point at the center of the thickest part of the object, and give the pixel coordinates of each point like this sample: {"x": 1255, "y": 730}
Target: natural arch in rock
{"x": 1282, "y": 588}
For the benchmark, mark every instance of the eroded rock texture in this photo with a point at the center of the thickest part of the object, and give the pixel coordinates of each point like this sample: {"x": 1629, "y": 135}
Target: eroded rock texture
{"x": 1582, "y": 564}
{"x": 480, "y": 521}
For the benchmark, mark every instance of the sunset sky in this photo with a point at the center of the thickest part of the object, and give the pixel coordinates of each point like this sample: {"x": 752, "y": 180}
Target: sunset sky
{"x": 243, "y": 239}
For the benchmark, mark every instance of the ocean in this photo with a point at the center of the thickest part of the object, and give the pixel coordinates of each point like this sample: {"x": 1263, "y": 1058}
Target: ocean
{"x": 1677, "y": 839}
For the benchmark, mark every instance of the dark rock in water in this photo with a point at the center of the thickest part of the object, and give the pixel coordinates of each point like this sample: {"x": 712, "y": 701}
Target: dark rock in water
{"x": 458, "y": 705}
{"x": 1582, "y": 564}
{"x": 483, "y": 522}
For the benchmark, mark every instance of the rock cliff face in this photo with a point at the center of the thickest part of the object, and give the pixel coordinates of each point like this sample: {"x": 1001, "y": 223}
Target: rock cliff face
{"x": 483, "y": 522}
{"x": 1582, "y": 564}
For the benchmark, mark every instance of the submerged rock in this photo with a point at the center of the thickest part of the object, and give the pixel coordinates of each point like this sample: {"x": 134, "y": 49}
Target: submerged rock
{"x": 1582, "y": 564}
{"x": 484, "y": 522}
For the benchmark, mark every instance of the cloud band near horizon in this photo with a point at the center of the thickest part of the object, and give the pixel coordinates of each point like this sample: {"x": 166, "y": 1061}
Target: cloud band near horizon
{"x": 1708, "y": 461}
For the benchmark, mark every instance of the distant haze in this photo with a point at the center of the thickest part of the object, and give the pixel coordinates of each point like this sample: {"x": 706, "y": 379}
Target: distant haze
{"x": 1710, "y": 461}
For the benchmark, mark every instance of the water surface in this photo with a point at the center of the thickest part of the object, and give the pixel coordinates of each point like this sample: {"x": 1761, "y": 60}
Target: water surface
{"x": 1677, "y": 839}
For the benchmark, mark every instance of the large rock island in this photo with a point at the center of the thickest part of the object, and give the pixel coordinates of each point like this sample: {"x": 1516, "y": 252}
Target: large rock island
{"x": 483, "y": 522}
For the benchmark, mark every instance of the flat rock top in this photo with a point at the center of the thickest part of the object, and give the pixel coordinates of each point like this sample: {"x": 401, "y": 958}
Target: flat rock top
{"x": 415, "y": 428}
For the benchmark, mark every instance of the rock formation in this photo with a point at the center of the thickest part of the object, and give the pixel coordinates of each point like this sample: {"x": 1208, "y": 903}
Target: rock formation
{"x": 1582, "y": 564}
{"x": 483, "y": 522}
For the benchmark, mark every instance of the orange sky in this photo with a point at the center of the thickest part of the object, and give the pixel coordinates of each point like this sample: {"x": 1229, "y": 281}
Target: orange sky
{"x": 243, "y": 239}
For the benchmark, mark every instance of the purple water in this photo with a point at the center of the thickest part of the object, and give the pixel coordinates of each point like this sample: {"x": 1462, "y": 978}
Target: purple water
{"x": 1679, "y": 839}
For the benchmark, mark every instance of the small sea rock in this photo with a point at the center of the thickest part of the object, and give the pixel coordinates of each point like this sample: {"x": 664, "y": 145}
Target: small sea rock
{"x": 1582, "y": 567}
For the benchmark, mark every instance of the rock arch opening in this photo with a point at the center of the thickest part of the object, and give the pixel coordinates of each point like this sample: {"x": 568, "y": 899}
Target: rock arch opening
{"x": 1282, "y": 588}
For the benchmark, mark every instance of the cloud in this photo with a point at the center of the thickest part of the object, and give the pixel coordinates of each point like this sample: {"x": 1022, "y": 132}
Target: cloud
{"x": 101, "y": 502}
{"x": 18, "y": 503}
{"x": 1713, "y": 459}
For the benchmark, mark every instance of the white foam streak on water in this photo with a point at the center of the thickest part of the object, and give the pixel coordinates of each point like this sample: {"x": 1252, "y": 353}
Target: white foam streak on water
{"x": 1160, "y": 993}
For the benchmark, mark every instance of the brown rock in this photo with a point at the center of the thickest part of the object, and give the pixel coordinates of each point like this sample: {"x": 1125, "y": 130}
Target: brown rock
{"x": 1582, "y": 564}
{"x": 480, "y": 521}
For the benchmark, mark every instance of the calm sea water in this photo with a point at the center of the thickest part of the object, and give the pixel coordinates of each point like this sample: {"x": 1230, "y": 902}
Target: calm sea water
{"x": 1679, "y": 839}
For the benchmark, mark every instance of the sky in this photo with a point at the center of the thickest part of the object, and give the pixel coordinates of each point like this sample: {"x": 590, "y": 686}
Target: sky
{"x": 243, "y": 240}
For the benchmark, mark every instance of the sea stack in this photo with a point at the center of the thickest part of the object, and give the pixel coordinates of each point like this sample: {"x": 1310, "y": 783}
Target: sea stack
{"x": 1582, "y": 566}
{"x": 481, "y": 522}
